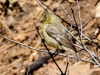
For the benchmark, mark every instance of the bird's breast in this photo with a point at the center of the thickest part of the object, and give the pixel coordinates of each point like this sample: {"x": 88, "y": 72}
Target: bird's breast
{"x": 49, "y": 40}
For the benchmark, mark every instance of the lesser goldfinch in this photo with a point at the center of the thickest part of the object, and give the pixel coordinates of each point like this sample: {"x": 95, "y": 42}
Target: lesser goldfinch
{"x": 55, "y": 34}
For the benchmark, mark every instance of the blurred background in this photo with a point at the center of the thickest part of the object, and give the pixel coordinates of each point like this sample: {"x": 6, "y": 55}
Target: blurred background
{"x": 16, "y": 22}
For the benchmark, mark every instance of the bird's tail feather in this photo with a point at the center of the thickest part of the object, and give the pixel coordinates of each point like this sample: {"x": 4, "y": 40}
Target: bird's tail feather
{"x": 75, "y": 55}
{"x": 72, "y": 52}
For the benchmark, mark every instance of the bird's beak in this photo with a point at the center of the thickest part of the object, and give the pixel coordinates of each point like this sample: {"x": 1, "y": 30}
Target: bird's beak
{"x": 42, "y": 21}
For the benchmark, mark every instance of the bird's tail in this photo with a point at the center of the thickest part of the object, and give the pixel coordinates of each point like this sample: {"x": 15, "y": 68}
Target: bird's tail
{"x": 72, "y": 52}
{"x": 75, "y": 55}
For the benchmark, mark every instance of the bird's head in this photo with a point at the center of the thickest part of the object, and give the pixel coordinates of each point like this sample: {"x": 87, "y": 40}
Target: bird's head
{"x": 50, "y": 18}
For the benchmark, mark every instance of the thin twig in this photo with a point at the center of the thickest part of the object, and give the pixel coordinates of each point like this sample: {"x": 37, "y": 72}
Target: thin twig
{"x": 42, "y": 5}
{"x": 65, "y": 11}
{"x": 82, "y": 35}
{"x": 48, "y": 49}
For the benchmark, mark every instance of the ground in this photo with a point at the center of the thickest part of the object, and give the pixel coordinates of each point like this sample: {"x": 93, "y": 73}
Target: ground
{"x": 17, "y": 22}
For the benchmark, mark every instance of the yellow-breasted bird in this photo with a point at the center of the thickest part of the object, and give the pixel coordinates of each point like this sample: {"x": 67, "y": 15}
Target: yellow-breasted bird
{"x": 55, "y": 34}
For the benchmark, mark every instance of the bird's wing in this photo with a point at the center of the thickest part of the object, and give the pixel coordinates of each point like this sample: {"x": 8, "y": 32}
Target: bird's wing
{"x": 59, "y": 34}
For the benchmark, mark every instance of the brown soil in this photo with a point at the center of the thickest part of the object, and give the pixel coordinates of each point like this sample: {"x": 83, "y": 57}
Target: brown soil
{"x": 16, "y": 22}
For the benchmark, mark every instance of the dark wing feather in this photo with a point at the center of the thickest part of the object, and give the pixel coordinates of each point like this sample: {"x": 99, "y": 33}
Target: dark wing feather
{"x": 59, "y": 33}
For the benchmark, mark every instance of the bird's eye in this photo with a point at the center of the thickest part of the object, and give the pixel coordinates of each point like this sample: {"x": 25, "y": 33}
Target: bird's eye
{"x": 45, "y": 17}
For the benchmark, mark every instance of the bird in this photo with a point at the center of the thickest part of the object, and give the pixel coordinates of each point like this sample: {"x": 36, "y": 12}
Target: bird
{"x": 55, "y": 34}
